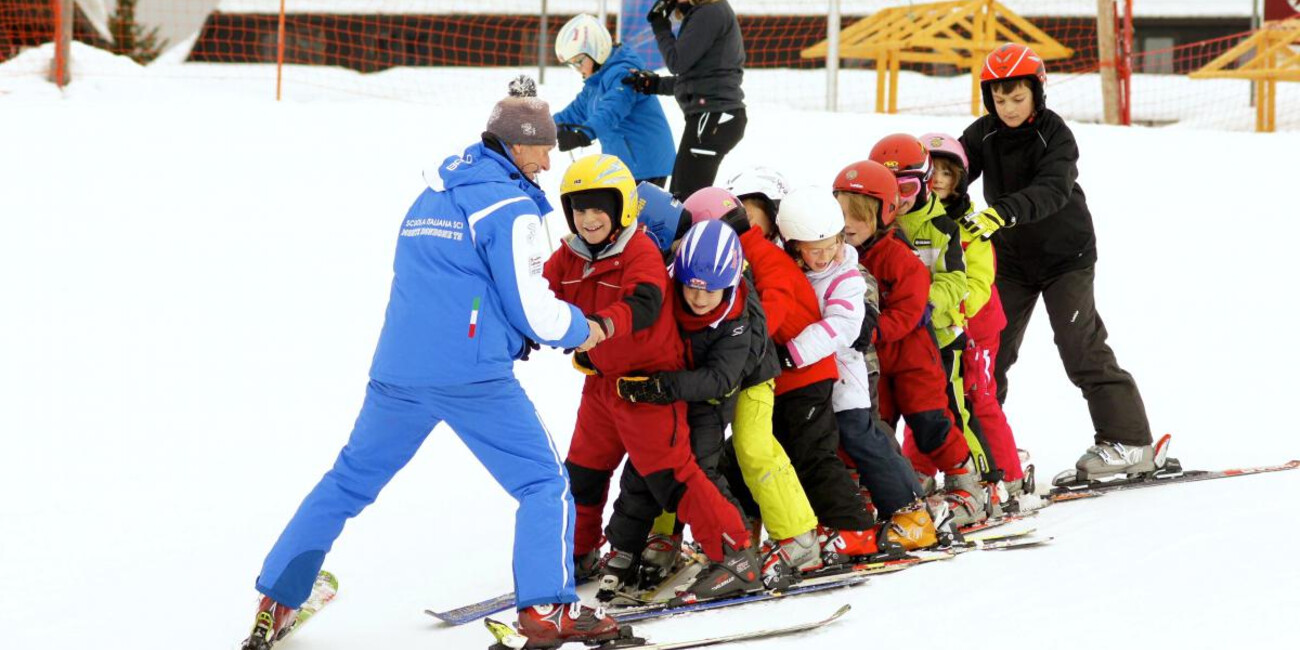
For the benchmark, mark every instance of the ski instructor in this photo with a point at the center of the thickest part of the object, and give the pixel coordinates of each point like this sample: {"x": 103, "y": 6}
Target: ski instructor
{"x": 467, "y": 299}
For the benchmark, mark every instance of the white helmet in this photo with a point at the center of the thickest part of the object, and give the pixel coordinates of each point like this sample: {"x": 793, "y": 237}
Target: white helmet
{"x": 810, "y": 214}
{"x": 584, "y": 34}
{"x": 760, "y": 180}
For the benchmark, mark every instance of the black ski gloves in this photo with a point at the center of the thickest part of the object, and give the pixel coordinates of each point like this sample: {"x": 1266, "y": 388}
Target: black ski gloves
{"x": 783, "y": 355}
{"x": 572, "y": 136}
{"x": 644, "y": 82}
{"x": 738, "y": 219}
{"x": 644, "y": 390}
{"x": 529, "y": 346}
{"x": 659, "y": 14}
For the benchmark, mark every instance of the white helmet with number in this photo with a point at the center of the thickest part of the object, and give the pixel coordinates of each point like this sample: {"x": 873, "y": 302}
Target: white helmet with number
{"x": 810, "y": 214}
{"x": 584, "y": 34}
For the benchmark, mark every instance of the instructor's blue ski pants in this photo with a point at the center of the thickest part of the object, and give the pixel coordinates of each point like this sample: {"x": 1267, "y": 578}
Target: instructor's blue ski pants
{"x": 498, "y": 423}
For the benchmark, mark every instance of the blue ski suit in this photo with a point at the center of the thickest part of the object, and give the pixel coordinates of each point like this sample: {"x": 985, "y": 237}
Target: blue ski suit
{"x": 467, "y": 289}
{"x": 628, "y": 124}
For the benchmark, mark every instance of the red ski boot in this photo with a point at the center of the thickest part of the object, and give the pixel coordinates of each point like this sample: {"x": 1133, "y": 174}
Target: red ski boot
{"x": 272, "y": 621}
{"x": 548, "y": 626}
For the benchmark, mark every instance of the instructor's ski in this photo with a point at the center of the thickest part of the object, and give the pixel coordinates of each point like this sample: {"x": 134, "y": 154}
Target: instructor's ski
{"x": 1070, "y": 491}
{"x": 508, "y": 639}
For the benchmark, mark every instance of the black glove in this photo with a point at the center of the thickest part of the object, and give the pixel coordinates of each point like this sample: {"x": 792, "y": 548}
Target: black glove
{"x": 867, "y": 334}
{"x": 572, "y": 136}
{"x": 738, "y": 219}
{"x": 582, "y": 363}
{"x": 529, "y": 346}
{"x": 644, "y": 390}
{"x": 783, "y": 355}
{"x": 659, "y": 14}
{"x": 643, "y": 81}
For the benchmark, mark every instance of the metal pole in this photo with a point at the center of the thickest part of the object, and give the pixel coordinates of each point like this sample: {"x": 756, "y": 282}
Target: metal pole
{"x": 833, "y": 56}
{"x": 541, "y": 48}
{"x": 601, "y": 13}
{"x": 618, "y": 24}
{"x": 1255, "y": 21}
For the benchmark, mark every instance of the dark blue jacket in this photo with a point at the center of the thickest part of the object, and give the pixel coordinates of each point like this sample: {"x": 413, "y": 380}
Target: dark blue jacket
{"x": 628, "y": 124}
{"x": 467, "y": 279}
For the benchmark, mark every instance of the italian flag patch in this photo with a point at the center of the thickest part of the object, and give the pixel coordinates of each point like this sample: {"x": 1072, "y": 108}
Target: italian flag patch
{"x": 473, "y": 318}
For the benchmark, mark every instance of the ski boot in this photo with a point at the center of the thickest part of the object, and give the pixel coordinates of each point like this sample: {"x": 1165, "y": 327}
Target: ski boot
{"x": 272, "y": 623}
{"x": 618, "y": 572}
{"x": 967, "y": 499}
{"x": 1111, "y": 459}
{"x": 912, "y": 527}
{"x": 849, "y": 546}
{"x": 660, "y": 559}
{"x": 739, "y": 572}
{"x": 586, "y": 565}
{"x": 554, "y": 624}
{"x": 783, "y": 561}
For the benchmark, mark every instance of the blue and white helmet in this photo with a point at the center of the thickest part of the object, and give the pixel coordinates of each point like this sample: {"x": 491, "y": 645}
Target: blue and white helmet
{"x": 709, "y": 257}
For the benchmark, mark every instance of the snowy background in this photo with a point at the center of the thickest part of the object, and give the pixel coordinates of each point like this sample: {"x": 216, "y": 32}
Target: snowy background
{"x": 193, "y": 277}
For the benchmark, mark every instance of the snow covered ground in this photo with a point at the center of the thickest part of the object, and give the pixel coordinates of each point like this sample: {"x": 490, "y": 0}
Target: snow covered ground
{"x": 192, "y": 279}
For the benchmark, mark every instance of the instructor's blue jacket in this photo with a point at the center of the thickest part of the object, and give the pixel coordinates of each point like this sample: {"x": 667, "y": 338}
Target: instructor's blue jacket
{"x": 628, "y": 124}
{"x": 467, "y": 279}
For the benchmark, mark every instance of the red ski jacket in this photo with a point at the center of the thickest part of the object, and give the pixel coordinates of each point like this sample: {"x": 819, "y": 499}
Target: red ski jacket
{"x": 625, "y": 287}
{"x": 790, "y": 304}
{"x": 904, "y": 285}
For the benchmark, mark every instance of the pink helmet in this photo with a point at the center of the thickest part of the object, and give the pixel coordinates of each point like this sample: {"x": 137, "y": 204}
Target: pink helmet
{"x": 711, "y": 203}
{"x": 940, "y": 144}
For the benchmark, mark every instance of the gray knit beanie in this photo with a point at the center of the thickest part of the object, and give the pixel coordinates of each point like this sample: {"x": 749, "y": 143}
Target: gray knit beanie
{"x": 522, "y": 118}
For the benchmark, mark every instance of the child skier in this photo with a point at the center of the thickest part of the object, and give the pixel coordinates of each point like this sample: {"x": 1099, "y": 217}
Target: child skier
{"x": 912, "y": 378}
{"x": 983, "y": 311}
{"x": 812, "y": 226}
{"x": 753, "y": 457}
{"x": 611, "y": 270}
{"x": 1042, "y": 232}
{"x": 803, "y": 419}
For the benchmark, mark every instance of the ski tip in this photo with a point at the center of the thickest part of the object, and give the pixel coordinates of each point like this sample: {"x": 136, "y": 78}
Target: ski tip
{"x": 844, "y": 609}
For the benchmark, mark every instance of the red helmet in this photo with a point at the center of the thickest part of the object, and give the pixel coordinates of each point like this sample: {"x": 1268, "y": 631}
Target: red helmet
{"x": 1014, "y": 61}
{"x": 909, "y": 161}
{"x": 872, "y": 179}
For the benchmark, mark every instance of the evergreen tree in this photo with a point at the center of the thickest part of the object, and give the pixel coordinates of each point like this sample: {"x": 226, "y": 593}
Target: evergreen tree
{"x": 132, "y": 39}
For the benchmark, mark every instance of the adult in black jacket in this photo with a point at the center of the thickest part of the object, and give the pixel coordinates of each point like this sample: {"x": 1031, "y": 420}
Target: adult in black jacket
{"x": 707, "y": 60}
{"x": 1042, "y": 232}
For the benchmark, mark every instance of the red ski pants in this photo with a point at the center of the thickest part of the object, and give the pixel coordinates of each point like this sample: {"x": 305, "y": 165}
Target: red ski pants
{"x": 657, "y": 442}
{"x": 913, "y": 384}
{"x": 977, "y": 362}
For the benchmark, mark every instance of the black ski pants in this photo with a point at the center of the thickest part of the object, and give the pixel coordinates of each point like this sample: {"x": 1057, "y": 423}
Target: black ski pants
{"x": 706, "y": 140}
{"x": 1118, "y": 414}
{"x": 804, "y": 423}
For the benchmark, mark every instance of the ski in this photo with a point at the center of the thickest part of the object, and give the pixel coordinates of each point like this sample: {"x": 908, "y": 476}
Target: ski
{"x": 508, "y": 639}
{"x": 663, "y": 609}
{"x": 1171, "y": 473}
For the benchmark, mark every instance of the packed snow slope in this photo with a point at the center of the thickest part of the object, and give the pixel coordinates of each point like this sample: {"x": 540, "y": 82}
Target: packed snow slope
{"x": 193, "y": 278}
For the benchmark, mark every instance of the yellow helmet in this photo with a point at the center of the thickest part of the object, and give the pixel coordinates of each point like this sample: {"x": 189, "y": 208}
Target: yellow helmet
{"x": 600, "y": 172}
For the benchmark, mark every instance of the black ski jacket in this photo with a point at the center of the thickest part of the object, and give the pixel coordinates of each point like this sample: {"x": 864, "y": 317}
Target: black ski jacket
{"x": 1029, "y": 177}
{"x": 707, "y": 57}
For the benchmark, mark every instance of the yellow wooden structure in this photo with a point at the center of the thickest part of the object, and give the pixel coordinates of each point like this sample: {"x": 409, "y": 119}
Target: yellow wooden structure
{"x": 958, "y": 32}
{"x": 1274, "y": 52}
